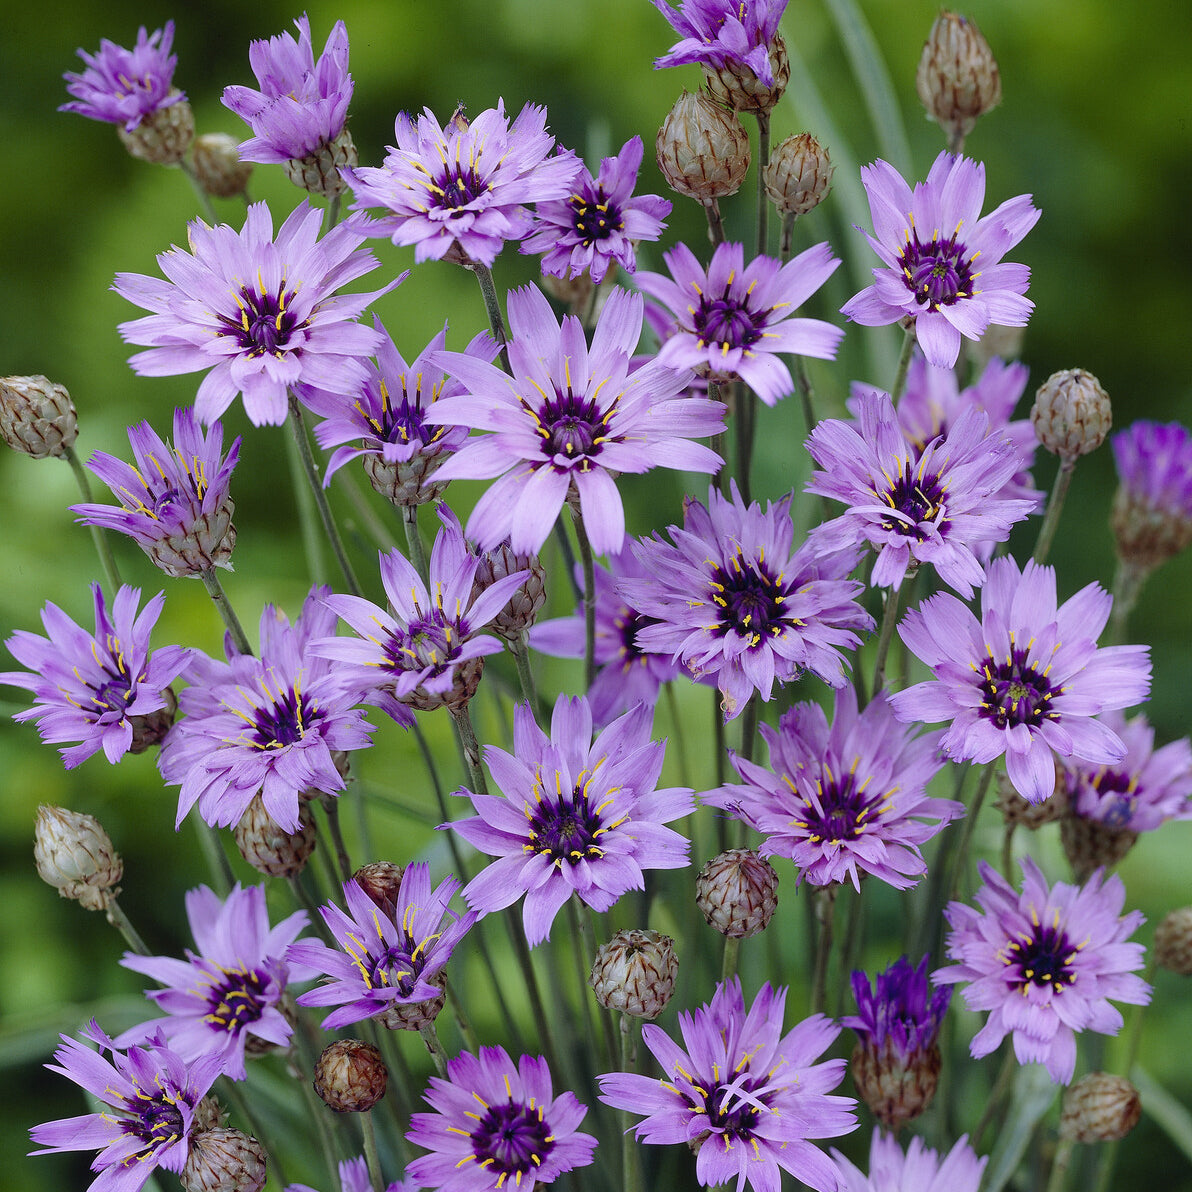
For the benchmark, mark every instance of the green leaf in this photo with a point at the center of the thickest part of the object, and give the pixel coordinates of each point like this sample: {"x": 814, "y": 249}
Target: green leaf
{"x": 1033, "y": 1095}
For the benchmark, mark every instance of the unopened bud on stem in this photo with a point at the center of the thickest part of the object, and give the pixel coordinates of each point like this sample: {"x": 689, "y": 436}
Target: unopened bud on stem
{"x": 75, "y": 855}
{"x": 958, "y": 79}
{"x": 37, "y": 416}
{"x": 703, "y": 151}
{"x": 1071, "y": 414}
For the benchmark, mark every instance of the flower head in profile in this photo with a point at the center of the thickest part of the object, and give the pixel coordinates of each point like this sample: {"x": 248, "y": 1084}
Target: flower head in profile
{"x": 1152, "y": 511}
{"x": 744, "y": 1096}
{"x": 942, "y": 264}
{"x": 353, "y": 1177}
{"x": 225, "y": 996}
{"x": 738, "y": 320}
{"x": 576, "y": 815}
{"x": 842, "y": 801}
{"x": 149, "y": 1096}
{"x": 259, "y": 311}
{"x": 920, "y": 1169}
{"x": 567, "y": 421}
{"x": 123, "y": 86}
{"x": 1027, "y": 680}
{"x": 600, "y": 223}
{"x": 1045, "y": 963}
{"x": 723, "y": 33}
{"x": 497, "y": 1123}
{"x": 94, "y": 688}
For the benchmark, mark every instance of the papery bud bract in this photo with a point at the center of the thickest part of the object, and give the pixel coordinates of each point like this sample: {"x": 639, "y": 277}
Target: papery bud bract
{"x": 318, "y": 172}
{"x": 268, "y": 847}
{"x": 350, "y": 1076}
{"x": 413, "y": 1016}
{"x": 218, "y": 166}
{"x": 1019, "y": 812}
{"x": 1071, "y": 414}
{"x": 703, "y": 151}
{"x": 1100, "y": 1107}
{"x": 635, "y": 973}
{"x": 37, "y": 416}
{"x": 737, "y": 892}
{"x": 738, "y": 87}
{"x": 520, "y": 613}
{"x": 1173, "y": 942}
{"x": 798, "y": 175}
{"x": 76, "y": 856}
{"x": 381, "y": 881}
{"x": 957, "y": 79}
{"x": 1090, "y": 845}
{"x": 224, "y": 1160}
{"x": 163, "y": 136}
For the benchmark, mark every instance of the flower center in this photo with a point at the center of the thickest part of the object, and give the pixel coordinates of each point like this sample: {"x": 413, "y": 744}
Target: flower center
{"x": 938, "y": 273}
{"x": 732, "y": 1109}
{"x": 1121, "y": 789}
{"x": 1045, "y": 959}
{"x": 573, "y": 428}
{"x": 628, "y": 622}
{"x": 842, "y": 809}
{"x": 426, "y": 644}
{"x": 156, "y": 1121}
{"x": 404, "y": 421}
{"x": 114, "y": 693}
{"x": 395, "y": 968}
{"x": 567, "y": 828}
{"x": 1015, "y": 691}
{"x": 511, "y": 1139}
{"x": 727, "y": 322}
{"x": 282, "y": 722}
{"x": 595, "y": 218}
{"x": 265, "y": 325}
{"x": 457, "y": 188}
{"x": 920, "y": 499}
{"x": 238, "y": 1000}
{"x": 749, "y": 598}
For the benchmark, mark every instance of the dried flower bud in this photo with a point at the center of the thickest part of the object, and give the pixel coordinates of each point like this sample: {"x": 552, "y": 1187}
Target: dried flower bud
{"x": 1100, "y": 1107}
{"x": 798, "y": 175}
{"x": 381, "y": 881}
{"x": 635, "y": 973}
{"x": 737, "y": 892}
{"x": 150, "y": 728}
{"x": 163, "y": 136}
{"x": 1090, "y": 844}
{"x": 413, "y": 1016}
{"x": 519, "y": 614}
{"x": 267, "y": 847}
{"x": 736, "y": 86}
{"x": 703, "y": 151}
{"x": 218, "y": 167}
{"x": 896, "y": 1089}
{"x": 408, "y": 481}
{"x": 1071, "y": 414}
{"x": 318, "y": 172}
{"x": 350, "y": 1076}
{"x": 1173, "y": 942}
{"x": 209, "y": 1114}
{"x": 1017, "y": 812}
{"x": 958, "y": 79}
{"x": 463, "y": 687}
{"x": 37, "y": 416}
{"x": 75, "y": 855}
{"x": 224, "y": 1160}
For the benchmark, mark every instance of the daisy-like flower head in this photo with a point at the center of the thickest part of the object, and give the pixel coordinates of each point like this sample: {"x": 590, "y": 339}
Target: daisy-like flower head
{"x": 733, "y": 602}
{"x": 900, "y": 1013}
{"x": 1152, "y": 511}
{"x": 302, "y": 104}
{"x": 123, "y": 86}
{"x": 383, "y": 960}
{"x": 569, "y": 419}
{"x": 174, "y": 500}
{"x": 844, "y": 800}
{"x": 723, "y": 33}
{"x": 575, "y": 815}
{"x": 936, "y": 508}
{"x": 150, "y": 1094}
{"x": 600, "y": 223}
{"x": 1045, "y": 963}
{"x": 1027, "y": 680}
{"x": 942, "y": 262}
{"x": 737, "y": 320}
{"x": 920, "y": 1168}
{"x": 259, "y": 311}
{"x": 95, "y": 688}
{"x": 225, "y": 995}
{"x": 269, "y": 724}
{"x": 463, "y": 188}
{"x": 497, "y": 1124}
{"x": 744, "y": 1096}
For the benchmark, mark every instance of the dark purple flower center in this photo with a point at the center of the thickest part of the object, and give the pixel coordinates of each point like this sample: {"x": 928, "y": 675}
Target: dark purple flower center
{"x": 426, "y": 644}
{"x": 238, "y": 1000}
{"x": 572, "y": 427}
{"x": 845, "y": 811}
{"x": 511, "y": 1139}
{"x": 920, "y": 498}
{"x": 1043, "y": 959}
{"x": 115, "y": 692}
{"x": 156, "y": 1120}
{"x": 727, "y": 323}
{"x": 404, "y": 421}
{"x": 284, "y": 721}
{"x": 458, "y": 186}
{"x": 567, "y": 827}
{"x": 1015, "y": 691}
{"x": 1118, "y": 790}
{"x": 730, "y": 1108}
{"x": 396, "y": 968}
{"x": 628, "y": 623}
{"x": 595, "y": 217}
{"x": 750, "y": 599}
{"x": 939, "y": 272}
{"x": 265, "y": 325}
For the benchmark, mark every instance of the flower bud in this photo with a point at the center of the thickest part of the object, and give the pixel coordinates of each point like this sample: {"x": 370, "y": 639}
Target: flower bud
{"x": 737, "y": 892}
{"x": 413, "y": 1016}
{"x": 519, "y": 614}
{"x": 224, "y": 1160}
{"x": 958, "y": 79}
{"x": 736, "y": 86}
{"x": 350, "y": 1076}
{"x": 267, "y": 847}
{"x": 381, "y": 881}
{"x": 703, "y": 151}
{"x": 798, "y": 175}
{"x": 209, "y": 1114}
{"x": 150, "y": 728}
{"x": 218, "y": 167}
{"x": 163, "y": 136}
{"x": 37, "y": 416}
{"x": 407, "y": 481}
{"x": 1017, "y": 812}
{"x": 1071, "y": 414}
{"x": 463, "y": 686}
{"x": 75, "y": 855}
{"x": 1090, "y": 844}
{"x": 1173, "y": 942}
{"x": 1100, "y": 1107}
{"x": 895, "y": 1089}
{"x": 635, "y": 973}
{"x": 318, "y": 172}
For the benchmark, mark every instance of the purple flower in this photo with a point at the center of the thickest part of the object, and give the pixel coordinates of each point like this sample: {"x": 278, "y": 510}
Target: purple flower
{"x": 1044, "y": 963}
{"x": 174, "y": 500}
{"x": 259, "y": 312}
{"x": 1026, "y": 680}
{"x": 464, "y": 188}
{"x": 737, "y": 320}
{"x": 719, "y": 33}
{"x": 734, "y": 602}
{"x": 843, "y": 801}
{"x": 744, "y": 1096}
{"x": 269, "y": 725}
{"x": 1152, "y": 512}
{"x": 902, "y": 1015}
{"x": 92, "y": 688}
{"x": 600, "y": 223}
{"x": 228, "y": 992}
{"x": 497, "y": 1124}
{"x": 150, "y": 1094}
{"x": 567, "y": 421}
{"x": 353, "y": 1177}
{"x": 383, "y": 960}
{"x": 936, "y": 508}
{"x": 921, "y": 1168}
{"x": 942, "y": 261}
{"x": 576, "y": 815}
{"x": 302, "y": 104}
{"x": 123, "y": 86}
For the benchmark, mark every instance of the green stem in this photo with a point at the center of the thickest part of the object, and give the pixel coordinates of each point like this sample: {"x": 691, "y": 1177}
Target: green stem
{"x": 330, "y": 805}
{"x": 525, "y": 673}
{"x": 589, "y": 570}
{"x": 728, "y": 963}
{"x": 786, "y": 241}
{"x": 720, "y": 439}
{"x": 306, "y": 900}
{"x": 582, "y": 949}
{"x": 1000, "y": 1086}
{"x": 904, "y": 363}
{"x": 1059, "y": 1165}
{"x": 525, "y": 960}
{"x": 1008, "y": 850}
{"x": 208, "y": 209}
{"x": 120, "y": 921}
{"x": 715, "y": 222}
{"x": 227, "y": 614}
{"x": 492, "y": 308}
{"x": 1055, "y": 505}
{"x": 672, "y": 707}
{"x": 848, "y": 951}
{"x": 763, "y": 160}
{"x": 745, "y": 404}
{"x": 430, "y": 1037}
{"x": 889, "y": 620}
{"x": 231, "y": 1090}
{"x": 333, "y": 211}
{"x": 217, "y": 859}
{"x": 409, "y": 517}
{"x": 631, "y": 1173}
{"x": 825, "y": 907}
{"x": 1127, "y": 586}
{"x": 462, "y": 720}
{"x": 970, "y": 823}
{"x": 376, "y": 528}
{"x": 371, "y": 1157}
{"x": 102, "y": 548}
{"x": 461, "y": 1019}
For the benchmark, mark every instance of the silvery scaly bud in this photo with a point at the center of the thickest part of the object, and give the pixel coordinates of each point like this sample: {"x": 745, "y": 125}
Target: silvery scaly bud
{"x": 737, "y": 87}
{"x": 267, "y": 847}
{"x": 209, "y": 1114}
{"x": 163, "y": 136}
{"x": 350, "y": 1076}
{"x": 520, "y": 613}
{"x": 413, "y": 1016}
{"x": 958, "y": 79}
{"x": 1173, "y": 942}
{"x": 737, "y": 892}
{"x": 381, "y": 881}
{"x": 1100, "y": 1107}
{"x": 635, "y": 973}
{"x": 1089, "y": 844}
{"x": 224, "y": 1160}
{"x": 1017, "y": 812}
{"x": 318, "y": 172}
{"x": 1071, "y": 414}
{"x": 218, "y": 167}
{"x": 37, "y": 416}
{"x": 703, "y": 151}
{"x": 798, "y": 175}
{"x": 896, "y": 1090}
{"x": 75, "y": 856}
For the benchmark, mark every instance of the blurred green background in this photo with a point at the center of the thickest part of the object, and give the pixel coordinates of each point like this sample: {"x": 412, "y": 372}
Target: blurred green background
{"x": 1094, "y": 123}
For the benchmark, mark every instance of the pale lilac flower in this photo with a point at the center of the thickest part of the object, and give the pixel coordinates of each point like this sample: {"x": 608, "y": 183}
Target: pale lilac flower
{"x": 744, "y": 1096}
{"x": 92, "y": 688}
{"x": 719, "y": 33}
{"x": 1044, "y": 963}
{"x": 900, "y": 1017}
{"x": 1027, "y": 680}
{"x": 1152, "y": 511}
{"x": 353, "y": 1177}
{"x": 920, "y": 1169}
{"x": 942, "y": 262}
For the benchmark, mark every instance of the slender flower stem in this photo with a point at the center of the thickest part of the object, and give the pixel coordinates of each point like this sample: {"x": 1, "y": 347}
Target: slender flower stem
{"x": 672, "y": 707}
{"x": 217, "y": 859}
{"x": 631, "y": 1173}
{"x": 409, "y": 517}
{"x": 306, "y": 900}
{"x": 745, "y": 404}
{"x": 786, "y": 241}
{"x": 102, "y": 548}
{"x": 308, "y": 521}
{"x": 462, "y": 719}
{"x": 728, "y": 963}
{"x": 461, "y": 1019}
{"x": 205, "y": 204}
{"x": 525, "y": 673}
{"x": 825, "y": 909}
{"x": 848, "y": 950}
{"x": 1059, "y": 1165}
{"x": 377, "y": 529}
{"x": 301, "y": 1068}
{"x": 904, "y": 364}
{"x": 589, "y": 570}
{"x": 763, "y": 160}
{"x": 120, "y": 921}
{"x": 889, "y": 620}
{"x": 966, "y": 835}
{"x": 369, "y": 1130}
{"x": 1008, "y": 850}
{"x": 492, "y": 308}
{"x": 330, "y": 805}
{"x": 227, "y": 614}
{"x": 715, "y": 223}
{"x": 430, "y": 1037}
{"x": 1000, "y": 1087}
{"x": 231, "y": 1090}
{"x": 333, "y": 211}
{"x": 1055, "y": 505}
{"x": 1127, "y": 585}
{"x": 719, "y": 441}
{"x": 537, "y": 1008}
{"x": 581, "y": 949}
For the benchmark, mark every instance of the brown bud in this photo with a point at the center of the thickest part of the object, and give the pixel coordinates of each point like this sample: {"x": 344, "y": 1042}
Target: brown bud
{"x": 76, "y": 856}
{"x": 224, "y": 1160}
{"x": 381, "y": 881}
{"x": 798, "y": 175}
{"x": 1100, "y": 1107}
{"x": 736, "y": 86}
{"x": 350, "y": 1076}
{"x": 1173, "y": 942}
{"x": 37, "y": 416}
{"x": 1089, "y": 845}
{"x": 150, "y": 728}
{"x": 895, "y": 1091}
{"x": 268, "y": 847}
{"x": 413, "y": 1016}
{"x": 958, "y": 79}
{"x": 163, "y": 136}
{"x": 318, "y": 172}
{"x": 1019, "y": 813}
{"x": 463, "y": 687}
{"x": 209, "y": 1113}
{"x": 635, "y": 973}
{"x": 1145, "y": 534}
{"x": 519, "y": 614}
{"x": 1071, "y": 414}
{"x": 737, "y": 892}
{"x": 703, "y": 151}
{"x": 407, "y": 482}
{"x": 218, "y": 167}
